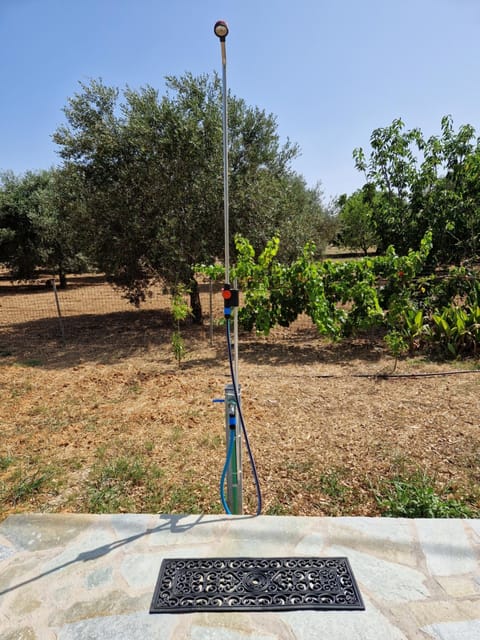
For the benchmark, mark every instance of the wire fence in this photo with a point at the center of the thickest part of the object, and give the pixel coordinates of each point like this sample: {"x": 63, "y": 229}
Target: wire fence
{"x": 84, "y": 295}
{"x": 91, "y": 309}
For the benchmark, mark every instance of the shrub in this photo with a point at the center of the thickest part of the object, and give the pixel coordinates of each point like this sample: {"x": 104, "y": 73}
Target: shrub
{"x": 415, "y": 496}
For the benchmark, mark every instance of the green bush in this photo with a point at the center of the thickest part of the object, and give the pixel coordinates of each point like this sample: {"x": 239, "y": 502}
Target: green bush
{"x": 415, "y": 496}
{"x": 437, "y": 312}
{"x": 455, "y": 331}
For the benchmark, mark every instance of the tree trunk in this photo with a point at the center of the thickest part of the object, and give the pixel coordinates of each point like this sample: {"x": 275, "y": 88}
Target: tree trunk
{"x": 62, "y": 277}
{"x": 195, "y": 303}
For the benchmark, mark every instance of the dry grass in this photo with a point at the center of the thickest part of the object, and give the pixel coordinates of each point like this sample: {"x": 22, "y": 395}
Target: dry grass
{"x": 108, "y": 422}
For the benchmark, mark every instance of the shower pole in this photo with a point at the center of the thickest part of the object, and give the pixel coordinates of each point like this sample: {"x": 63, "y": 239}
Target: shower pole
{"x": 232, "y": 391}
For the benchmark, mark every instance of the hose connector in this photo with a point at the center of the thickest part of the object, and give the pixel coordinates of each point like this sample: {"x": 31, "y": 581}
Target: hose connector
{"x": 232, "y": 415}
{"x": 230, "y": 299}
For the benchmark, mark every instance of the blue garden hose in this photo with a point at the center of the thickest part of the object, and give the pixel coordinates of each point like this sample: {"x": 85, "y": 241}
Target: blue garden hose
{"x": 231, "y": 444}
{"x": 244, "y": 431}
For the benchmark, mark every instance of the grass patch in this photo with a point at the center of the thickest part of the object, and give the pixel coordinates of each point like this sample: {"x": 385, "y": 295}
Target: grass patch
{"x": 182, "y": 498}
{"x": 5, "y": 462}
{"x": 20, "y": 390}
{"x": 332, "y": 483}
{"x": 300, "y": 466}
{"x": 28, "y": 486}
{"x": 331, "y": 492}
{"x": 149, "y": 446}
{"x": 191, "y": 496}
{"x": 277, "y": 509}
{"x": 415, "y": 495}
{"x": 121, "y": 484}
{"x": 22, "y": 486}
{"x": 211, "y": 442}
{"x": 176, "y": 433}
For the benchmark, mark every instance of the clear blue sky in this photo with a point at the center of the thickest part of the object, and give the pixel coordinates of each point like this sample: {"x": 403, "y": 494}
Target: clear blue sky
{"x": 331, "y": 71}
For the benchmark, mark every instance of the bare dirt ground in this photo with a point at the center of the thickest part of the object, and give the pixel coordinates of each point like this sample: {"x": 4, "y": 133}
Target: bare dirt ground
{"x": 108, "y": 421}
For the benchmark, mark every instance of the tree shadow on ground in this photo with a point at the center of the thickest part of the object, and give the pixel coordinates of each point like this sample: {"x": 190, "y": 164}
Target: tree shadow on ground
{"x": 44, "y": 283}
{"x": 307, "y": 348}
{"x": 105, "y": 338}
{"x": 113, "y": 337}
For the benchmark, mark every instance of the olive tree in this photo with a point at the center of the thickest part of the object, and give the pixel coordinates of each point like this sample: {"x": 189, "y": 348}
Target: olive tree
{"x": 150, "y": 169}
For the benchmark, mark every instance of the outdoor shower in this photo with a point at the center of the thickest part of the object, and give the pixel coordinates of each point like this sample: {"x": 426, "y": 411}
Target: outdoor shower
{"x": 234, "y": 422}
{"x": 240, "y": 583}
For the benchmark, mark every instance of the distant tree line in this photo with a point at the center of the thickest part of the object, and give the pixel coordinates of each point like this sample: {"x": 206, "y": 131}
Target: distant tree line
{"x": 139, "y": 191}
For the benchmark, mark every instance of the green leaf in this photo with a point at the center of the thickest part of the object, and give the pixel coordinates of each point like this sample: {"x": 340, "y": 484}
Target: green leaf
{"x": 452, "y": 349}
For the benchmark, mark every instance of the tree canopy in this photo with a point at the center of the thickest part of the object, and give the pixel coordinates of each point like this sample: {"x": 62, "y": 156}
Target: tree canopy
{"x": 35, "y": 225}
{"x": 356, "y": 221}
{"x": 149, "y": 170}
{"x": 414, "y": 184}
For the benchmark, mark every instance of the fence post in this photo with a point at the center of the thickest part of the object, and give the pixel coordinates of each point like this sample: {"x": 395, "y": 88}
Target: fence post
{"x": 211, "y": 311}
{"x": 57, "y": 302}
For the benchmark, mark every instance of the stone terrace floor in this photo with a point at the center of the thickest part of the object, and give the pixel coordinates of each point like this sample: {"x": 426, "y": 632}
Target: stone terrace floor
{"x": 89, "y": 577}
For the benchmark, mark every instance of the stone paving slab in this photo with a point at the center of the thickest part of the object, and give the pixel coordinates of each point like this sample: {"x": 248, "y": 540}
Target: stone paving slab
{"x": 89, "y": 577}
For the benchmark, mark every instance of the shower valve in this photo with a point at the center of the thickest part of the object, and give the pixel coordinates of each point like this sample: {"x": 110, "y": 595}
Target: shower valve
{"x": 230, "y": 299}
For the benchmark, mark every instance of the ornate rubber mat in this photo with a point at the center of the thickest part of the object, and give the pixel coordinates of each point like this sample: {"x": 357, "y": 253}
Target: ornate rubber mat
{"x": 255, "y": 584}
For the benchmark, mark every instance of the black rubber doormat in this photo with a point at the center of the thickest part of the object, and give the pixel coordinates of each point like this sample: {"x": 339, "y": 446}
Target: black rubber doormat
{"x": 255, "y": 584}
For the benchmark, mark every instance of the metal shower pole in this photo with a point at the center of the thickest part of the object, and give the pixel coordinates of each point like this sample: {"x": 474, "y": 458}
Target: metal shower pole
{"x": 234, "y": 473}
{"x": 221, "y": 30}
